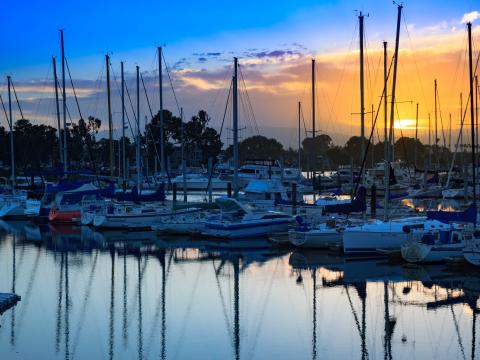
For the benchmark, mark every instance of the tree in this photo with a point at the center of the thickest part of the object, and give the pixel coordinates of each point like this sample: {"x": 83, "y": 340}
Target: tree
{"x": 197, "y": 136}
{"x": 257, "y": 147}
{"x": 314, "y": 150}
{"x": 197, "y": 133}
{"x": 353, "y": 147}
{"x": 34, "y": 145}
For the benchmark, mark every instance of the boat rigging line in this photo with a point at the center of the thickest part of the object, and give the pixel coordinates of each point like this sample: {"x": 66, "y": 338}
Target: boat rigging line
{"x": 151, "y": 114}
{"x": 171, "y": 83}
{"x": 73, "y": 88}
{"x": 249, "y": 103}
{"x": 365, "y": 156}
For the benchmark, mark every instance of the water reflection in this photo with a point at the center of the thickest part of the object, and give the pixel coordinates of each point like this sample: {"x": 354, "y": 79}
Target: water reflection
{"x": 124, "y": 295}
{"x": 435, "y": 286}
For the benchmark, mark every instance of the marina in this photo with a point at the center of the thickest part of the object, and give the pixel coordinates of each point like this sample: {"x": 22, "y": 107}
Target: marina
{"x": 151, "y": 209}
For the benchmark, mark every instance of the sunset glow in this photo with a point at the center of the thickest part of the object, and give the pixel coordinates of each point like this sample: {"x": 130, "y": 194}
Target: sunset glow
{"x": 275, "y": 69}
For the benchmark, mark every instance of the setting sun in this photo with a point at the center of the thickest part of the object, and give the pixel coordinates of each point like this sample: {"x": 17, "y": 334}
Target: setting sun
{"x": 405, "y": 124}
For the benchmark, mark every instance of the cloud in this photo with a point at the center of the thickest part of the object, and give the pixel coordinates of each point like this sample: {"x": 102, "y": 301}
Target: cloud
{"x": 470, "y": 17}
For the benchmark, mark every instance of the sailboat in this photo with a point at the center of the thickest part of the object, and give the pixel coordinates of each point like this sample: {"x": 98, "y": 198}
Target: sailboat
{"x": 471, "y": 252}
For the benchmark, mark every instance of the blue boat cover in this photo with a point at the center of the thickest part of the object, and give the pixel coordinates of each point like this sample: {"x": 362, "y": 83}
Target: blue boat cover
{"x": 358, "y": 204}
{"x": 76, "y": 197}
{"x": 65, "y": 185}
{"x": 469, "y": 215}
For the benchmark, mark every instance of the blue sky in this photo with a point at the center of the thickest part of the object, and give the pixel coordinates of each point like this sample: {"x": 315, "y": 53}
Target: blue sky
{"x": 274, "y": 40}
{"x": 93, "y": 27}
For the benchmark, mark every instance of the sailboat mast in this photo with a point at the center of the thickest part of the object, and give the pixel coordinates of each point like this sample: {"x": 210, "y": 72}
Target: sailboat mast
{"x": 137, "y": 143}
{"x": 436, "y": 126}
{"x": 124, "y": 156}
{"x": 373, "y": 137}
{"x": 109, "y": 107}
{"x": 416, "y": 137}
{"x": 184, "y": 170}
{"x": 12, "y": 147}
{"x": 385, "y": 105}
{"x": 362, "y": 95}
{"x": 55, "y": 79}
{"x": 392, "y": 107}
{"x": 313, "y": 98}
{"x": 160, "y": 90}
{"x": 472, "y": 114}
{"x": 235, "y": 128}
{"x": 64, "y": 97}
{"x": 299, "y": 146}
{"x": 476, "y": 111}
{"x": 461, "y": 128}
{"x": 429, "y": 142}
{"x": 450, "y": 132}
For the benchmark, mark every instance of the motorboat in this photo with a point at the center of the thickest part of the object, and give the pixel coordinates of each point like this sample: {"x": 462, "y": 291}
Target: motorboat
{"x": 184, "y": 221}
{"x": 267, "y": 169}
{"x": 15, "y": 205}
{"x": 426, "y": 245}
{"x": 237, "y": 221}
{"x": 319, "y": 236}
{"x": 267, "y": 193}
{"x": 129, "y": 215}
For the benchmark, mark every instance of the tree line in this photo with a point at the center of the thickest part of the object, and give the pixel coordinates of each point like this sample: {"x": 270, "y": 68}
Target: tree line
{"x": 37, "y": 146}
{"x": 320, "y": 153}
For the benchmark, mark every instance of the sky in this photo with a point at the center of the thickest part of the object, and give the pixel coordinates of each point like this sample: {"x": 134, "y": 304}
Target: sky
{"x": 275, "y": 42}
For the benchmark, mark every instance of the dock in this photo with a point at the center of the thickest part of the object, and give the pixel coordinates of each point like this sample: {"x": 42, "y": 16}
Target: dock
{"x": 7, "y": 301}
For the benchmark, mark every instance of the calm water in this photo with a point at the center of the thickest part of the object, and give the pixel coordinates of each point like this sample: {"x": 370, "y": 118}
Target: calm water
{"x": 88, "y": 295}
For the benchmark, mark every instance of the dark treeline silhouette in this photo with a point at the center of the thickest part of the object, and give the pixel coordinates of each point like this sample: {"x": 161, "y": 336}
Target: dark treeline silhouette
{"x": 36, "y": 146}
{"x": 320, "y": 153}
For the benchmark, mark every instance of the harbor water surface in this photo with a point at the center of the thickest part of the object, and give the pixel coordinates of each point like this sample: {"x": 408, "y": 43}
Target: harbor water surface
{"x": 138, "y": 295}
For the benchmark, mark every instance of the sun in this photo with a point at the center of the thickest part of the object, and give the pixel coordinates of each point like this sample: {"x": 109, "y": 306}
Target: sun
{"x": 405, "y": 124}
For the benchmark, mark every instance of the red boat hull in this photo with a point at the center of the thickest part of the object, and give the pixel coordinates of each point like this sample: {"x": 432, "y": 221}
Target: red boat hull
{"x": 58, "y": 216}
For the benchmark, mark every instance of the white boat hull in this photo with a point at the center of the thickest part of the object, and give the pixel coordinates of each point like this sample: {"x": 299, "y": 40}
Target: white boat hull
{"x": 245, "y": 230}
{"x": 125, "y": 221}
{"x": 32, "y": 207}
{"x": 183, "y": 222}
{"x": 417, "y": 252}
{"x": 319, "y": 239}
{"x": 471, "y": 252}
{"x": 13, "y": 209}
{"x": 363, "y": 242}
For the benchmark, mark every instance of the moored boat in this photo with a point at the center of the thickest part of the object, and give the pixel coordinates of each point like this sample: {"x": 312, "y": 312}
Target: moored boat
{"x": 237, "y": 221}
{"x": 425, "y": 245}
